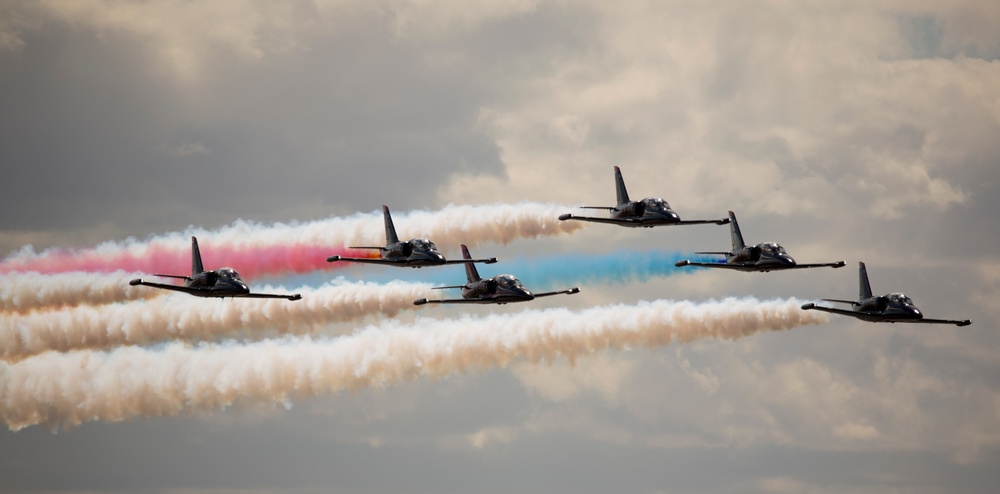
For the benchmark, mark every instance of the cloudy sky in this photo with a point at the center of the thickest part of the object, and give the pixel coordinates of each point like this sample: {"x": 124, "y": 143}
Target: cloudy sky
{"x": 842, "y": 130}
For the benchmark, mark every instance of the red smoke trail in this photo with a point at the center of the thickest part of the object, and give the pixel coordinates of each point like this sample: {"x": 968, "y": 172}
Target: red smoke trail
{"x": 250, "y": 261}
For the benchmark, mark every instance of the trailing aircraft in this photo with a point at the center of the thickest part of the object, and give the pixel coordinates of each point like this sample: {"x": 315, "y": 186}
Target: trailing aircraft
{"x": 894, "y": 307}
{"x": 413, "y": 253}
{"x": 763, "y": 257}
{"x": 647, "y": 213}
{"x": 223, "y": 282}
{"x": 500, "y": 289}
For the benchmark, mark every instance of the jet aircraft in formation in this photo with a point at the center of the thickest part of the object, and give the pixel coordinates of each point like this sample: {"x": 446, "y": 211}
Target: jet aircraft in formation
{"x": 500, "y": 289}
{"x": 763, "y": 257}
{"x": 892, "y": 308}
{"x": 223, "y": 282}
{"x": 413, "y": 253}
{"x": 505, "y": 288}
{"x": 647, "y": 213}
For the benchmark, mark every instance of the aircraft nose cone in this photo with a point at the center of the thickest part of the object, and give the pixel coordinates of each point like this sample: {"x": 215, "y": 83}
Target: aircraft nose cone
{"x": 672, "y": 216}
{"x": 787, "y": 260}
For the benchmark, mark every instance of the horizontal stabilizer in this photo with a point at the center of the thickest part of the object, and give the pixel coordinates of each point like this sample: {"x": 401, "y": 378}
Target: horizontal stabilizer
{"x": 447, "y": 287}
{"x": 849, "y": 302}
{"x": 605, "y": 208}
{"x": 370, "y": 248}
{"x": 713, "y": 253}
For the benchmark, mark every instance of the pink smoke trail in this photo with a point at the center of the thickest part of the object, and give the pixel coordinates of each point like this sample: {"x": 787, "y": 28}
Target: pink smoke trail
{"x": 250, "y": 261}
{"x": 255, "y": 249}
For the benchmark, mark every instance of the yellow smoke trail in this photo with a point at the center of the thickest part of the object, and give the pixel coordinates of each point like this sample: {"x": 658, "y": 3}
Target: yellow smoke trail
{"x": 64, "y": 390}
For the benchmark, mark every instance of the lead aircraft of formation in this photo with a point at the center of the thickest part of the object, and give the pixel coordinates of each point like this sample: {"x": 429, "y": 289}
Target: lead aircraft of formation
{"x": 647, "y": 213}
{"x": 894, "y": 307}
{"x": 223, "y": 282}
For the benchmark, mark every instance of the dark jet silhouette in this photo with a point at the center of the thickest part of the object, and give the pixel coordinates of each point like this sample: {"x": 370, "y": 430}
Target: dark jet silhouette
{"x": 647, "y": 213}
{"x": 413, "y": 253}
{"x": 894, "y": 307}
{"x": 767, "y": 256}
{"x": 223, "y": 282}
{"x": 500, "y": 289}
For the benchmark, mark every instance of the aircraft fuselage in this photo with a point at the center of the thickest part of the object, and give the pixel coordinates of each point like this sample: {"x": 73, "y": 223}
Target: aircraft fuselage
{"x": 647, "y": 213}
{"x": 417, "y": 252}
{"x": 894, "y": 307}
{"x": 223, "y": 282}
{"x": 500, "y": 289}
{"x": 764, "y": 257}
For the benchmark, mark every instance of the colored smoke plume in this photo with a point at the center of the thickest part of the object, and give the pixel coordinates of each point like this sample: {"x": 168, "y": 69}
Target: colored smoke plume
{"x": 66, "y": 389}
{"x": 256, "y": 249}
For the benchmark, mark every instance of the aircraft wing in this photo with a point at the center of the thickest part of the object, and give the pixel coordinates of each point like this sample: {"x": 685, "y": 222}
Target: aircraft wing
{"x": 470, "y": 261}
{"x": 365, "y": 260}
{"x": 613, "y": 221}
{"x": 271, "y": 295}
{"x": 571, "y": 291}
{"x": 177, "y": 288}
{"x": 722, "y": 221}
{"x": 838, "y": 264}
{"x": 724, "y": 265}
{"x": 964, "y": 322}
{"x": 422, "y": 301}
{"x": 849, "y": 313}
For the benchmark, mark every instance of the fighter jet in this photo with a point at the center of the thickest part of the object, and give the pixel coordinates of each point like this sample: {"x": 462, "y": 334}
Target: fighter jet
{"x": 413, "y": 253}
{"x": 500, "y": 289}
{"x": 223, "y": 282}
{"x": 767, "y": 256}
{"x": 647, "y": 213}
{"x": 894, "y": 307}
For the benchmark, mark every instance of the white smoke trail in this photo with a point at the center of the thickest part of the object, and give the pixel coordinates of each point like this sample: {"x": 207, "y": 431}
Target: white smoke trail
{"x": 190, "y": 318}
{"x": 24, "y": 292}
{"x": 64, "y": 390}
{"x": 449, "y": 227}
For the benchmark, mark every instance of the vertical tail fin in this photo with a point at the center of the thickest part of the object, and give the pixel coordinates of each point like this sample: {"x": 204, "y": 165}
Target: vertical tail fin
{"x": 620, "y": 187}
{"x": 390, "y": 231}
{"x": 864, "y": 288}
{"x": 196, "y": 266}
{"x": 470, "y": 268}
{"x": 734, "y": 232}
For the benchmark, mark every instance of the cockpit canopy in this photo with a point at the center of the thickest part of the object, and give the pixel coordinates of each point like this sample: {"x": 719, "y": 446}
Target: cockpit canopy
{"x": 229, "y": 274}
{"x": 508, "y": 281}
{"x": 772, "y": 248}
{"x": 899, "y": 299}
{"x": 655, "y": 204}
{"x": 423, "y": 244}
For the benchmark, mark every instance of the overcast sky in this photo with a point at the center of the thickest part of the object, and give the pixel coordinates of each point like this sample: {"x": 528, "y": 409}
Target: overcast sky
{"x": 845, "y": 130}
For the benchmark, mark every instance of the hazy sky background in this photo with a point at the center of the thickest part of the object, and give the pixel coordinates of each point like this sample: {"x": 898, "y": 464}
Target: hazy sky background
{"x": 843, "y": 130}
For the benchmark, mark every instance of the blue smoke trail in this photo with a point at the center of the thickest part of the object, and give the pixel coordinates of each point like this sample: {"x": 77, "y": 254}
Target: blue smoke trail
{"x": 551, "y": 271}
